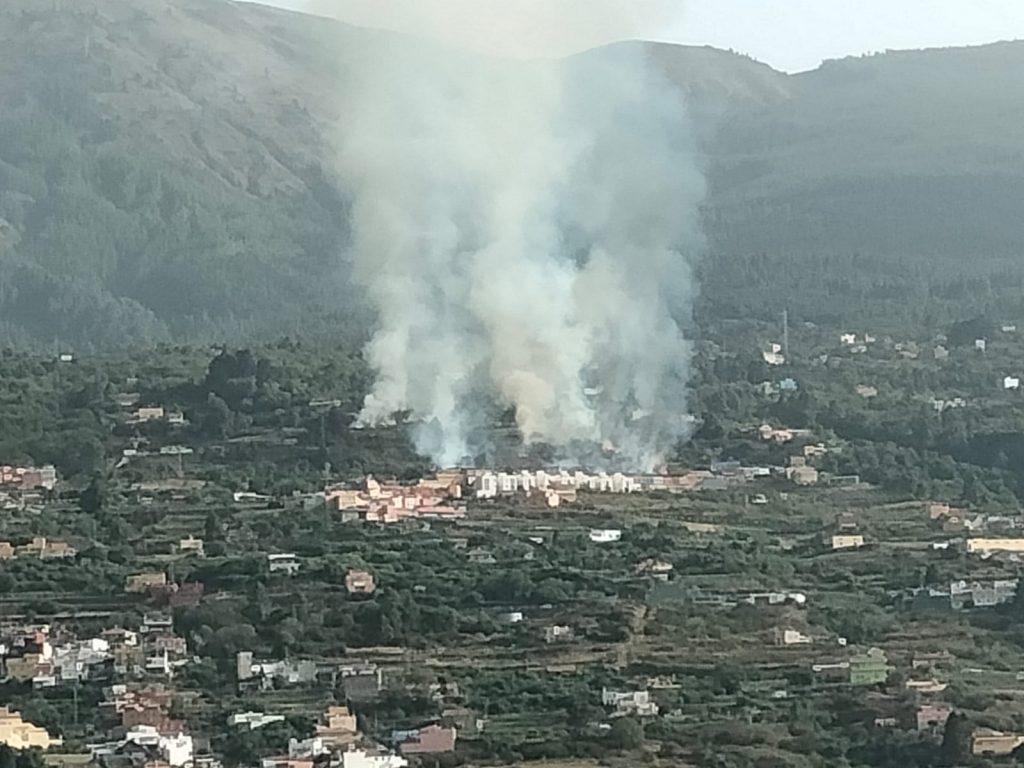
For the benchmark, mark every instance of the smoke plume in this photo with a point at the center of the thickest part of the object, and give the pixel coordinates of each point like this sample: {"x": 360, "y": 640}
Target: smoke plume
{"x": 523, "y": 228}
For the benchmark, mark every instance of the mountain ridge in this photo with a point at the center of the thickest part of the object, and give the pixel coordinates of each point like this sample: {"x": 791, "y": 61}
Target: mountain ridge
{"x": 165, "y": 174}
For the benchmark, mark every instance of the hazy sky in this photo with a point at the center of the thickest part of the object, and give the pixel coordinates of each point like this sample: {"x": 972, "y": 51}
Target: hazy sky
{"x": 793, "y": 35}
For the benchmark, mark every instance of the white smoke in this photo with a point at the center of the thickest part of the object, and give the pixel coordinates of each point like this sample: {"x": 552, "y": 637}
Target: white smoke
{"x": 523, "y": 228}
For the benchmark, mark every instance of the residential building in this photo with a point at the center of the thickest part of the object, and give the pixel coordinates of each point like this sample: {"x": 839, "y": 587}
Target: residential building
{"x": 191, "y": 546}
{"x": 629, "y": 702}
{"x": 985, "y": 741}
{"x": 27, "y": 478}
{"x": 253, "y": 720}
{"x": 481, "y": 556}
{"x": 511, "y": 617}
{"x": 360, "y": 583}
{"x": 360, "y": 758}
{"x": 658, "y": 569}
{"x": 560, "y": 633}
{"x": 847, "y": 541}
{"x": 871, "y": 668}
{"x": 605, "y": 535}
{"x": 17, "y": 734}
{"x": 866, "y": 391}
{"x": 981, "y": 594}
{"x": 141, "y": 582}
{"x": 995, "y": 545}
{"x": 6, "y": 550}
{"x": 307, "y": 748}
{"x": 285, "y": 563}
{"x": 803, "y": 475}
{"x": 361, "y": 683}
{"x": 44, "y": 549}
{"x": 148, "y": 413}
{"x": 429, "y": 740}
{"x": 791, "y": 637}
{"x": 338, "y": 729}
{"x": 931, "y": 660}
{"x": 846, "y": 522}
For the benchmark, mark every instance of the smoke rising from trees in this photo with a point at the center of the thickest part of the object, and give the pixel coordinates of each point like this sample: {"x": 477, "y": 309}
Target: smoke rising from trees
{"x": 523, "y": 228}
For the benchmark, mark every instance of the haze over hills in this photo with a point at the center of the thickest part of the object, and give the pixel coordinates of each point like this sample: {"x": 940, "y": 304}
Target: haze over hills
{"x": 165, "y": 167}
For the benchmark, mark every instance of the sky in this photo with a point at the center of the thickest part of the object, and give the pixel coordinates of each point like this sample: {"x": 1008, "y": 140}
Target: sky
{"x": 791, "y": 35}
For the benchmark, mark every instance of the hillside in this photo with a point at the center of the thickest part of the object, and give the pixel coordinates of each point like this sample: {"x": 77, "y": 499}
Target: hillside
{"x": 162, "y": 170}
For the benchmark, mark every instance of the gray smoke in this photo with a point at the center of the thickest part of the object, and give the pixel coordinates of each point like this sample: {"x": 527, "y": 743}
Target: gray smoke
{"x": 523, "y": 229}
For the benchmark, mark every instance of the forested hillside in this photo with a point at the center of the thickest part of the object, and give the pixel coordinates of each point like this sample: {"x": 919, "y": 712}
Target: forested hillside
{"x": 165, "y": 175}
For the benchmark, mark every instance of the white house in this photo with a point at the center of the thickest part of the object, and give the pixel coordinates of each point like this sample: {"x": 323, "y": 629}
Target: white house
{"x": 286, "y": 563}
{"x": 605, "y": 536}
{"x": 359, "y": 758}
{"x": 1011, "y": 382}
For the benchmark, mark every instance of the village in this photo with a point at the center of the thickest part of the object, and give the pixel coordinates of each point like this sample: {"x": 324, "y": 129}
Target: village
{"x": 201, "y": 607}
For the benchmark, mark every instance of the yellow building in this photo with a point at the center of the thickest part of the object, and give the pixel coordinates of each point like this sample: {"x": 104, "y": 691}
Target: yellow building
{"x": 17, "y": 734}
{"x": 995, "y": 545}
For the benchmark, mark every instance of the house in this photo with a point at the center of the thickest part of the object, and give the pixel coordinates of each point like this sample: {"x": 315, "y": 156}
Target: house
{"x": 605, "y": 536}
{"x": 253, "y": 720}
{"x": 511, "y": 617}
{"x": 931, "y": 660}
{"x": 429, "y": 740}
{"x": 338, "y": 728}
{"x": 803, "y": 475}
{"x": 847, "y": 541}
{"x": 658, "y": 569}
{"x": 995, "y": 545}
{"x": 191, "y": 546}
{"x": 791, "y": 637}
{"x": 6, "y": 550}
{"x": 144, "y": 414}
{"x": 142, "y": 582}
{"x": 361, "y": 758}
{"x": 481, "y": 556}
{"x": 981, "y": 594}
{"x": 871, "y": 668}
{"x": 17, "y": 734}
{"x": 28, "y": 478}
{"x": 286, "y": 563}
{"x": 985, "y": 741}
{"x": 629, "y": 702}
{"x": 175, "y": 751}
{"x": 559, "y": 633}
{"x": 44, "y": 549}
{"x": 360, "y": 582}
{"x": 926, "y": 687}
{"x": 361, "y": 683}
{"x": 1011, "y": 382}
{"x": 866, "y": 391}
{"x": 846, "y": 521}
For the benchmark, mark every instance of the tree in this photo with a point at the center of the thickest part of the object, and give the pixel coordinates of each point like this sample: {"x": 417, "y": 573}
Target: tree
{"x": 956, "y": 740}
{"x": 627, "y": 733}
{"x": 93, "y": 497}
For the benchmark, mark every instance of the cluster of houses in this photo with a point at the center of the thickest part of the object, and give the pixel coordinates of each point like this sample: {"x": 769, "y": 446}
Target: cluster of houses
{"x": 360, "y": 682}
{"x": 17, "y": 478}
{"x": 47, "y": 658}
{"x": 629, "y": 703}
{"x": 18, "y": 734}
{"x": 376, "y": 502}
{"x": 40, "y": 548}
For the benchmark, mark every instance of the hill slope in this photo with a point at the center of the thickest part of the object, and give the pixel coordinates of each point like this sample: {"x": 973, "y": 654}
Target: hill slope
{"x": 162, "y": 175}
